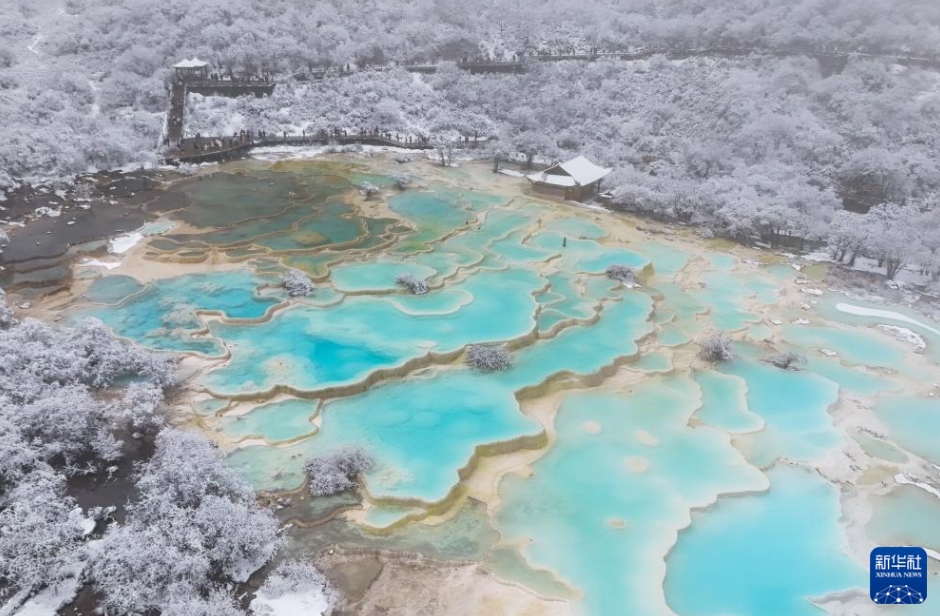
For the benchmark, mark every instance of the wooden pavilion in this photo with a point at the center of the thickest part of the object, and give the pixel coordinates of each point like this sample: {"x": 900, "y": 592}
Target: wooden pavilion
{"x": 192, "y": 70}
{"x": 575, "y": 179}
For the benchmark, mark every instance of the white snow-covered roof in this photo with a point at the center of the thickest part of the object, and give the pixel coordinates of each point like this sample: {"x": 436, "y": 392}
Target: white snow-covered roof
{"x": 194, "y": 63}
{"x": 555, "y": 180}
{"x": 578, "y": 171}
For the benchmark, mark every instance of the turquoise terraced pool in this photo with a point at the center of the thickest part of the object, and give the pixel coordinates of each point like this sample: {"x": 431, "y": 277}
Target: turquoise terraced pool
{"x": 639, "y": 478}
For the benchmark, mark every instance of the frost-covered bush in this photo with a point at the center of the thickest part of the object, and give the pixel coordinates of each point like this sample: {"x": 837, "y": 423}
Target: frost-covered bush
{"x": 297, "y": 283}
{"x": 623, "y": 273}
{"x": 298, "y": 583}
{"x": 413, "y": 283}
{"x": 788, "y": 360}
{"x": 402, "y": 182}
{"x": 194, "y": 521}
{"x": 337, "y": 472}
{"x": 7, "y": 319}
{"x": 489, "y": 357}
{"x": 70, "y": 423}
{"x": 299, "y": 580}
{"x": 368, "y": 190}
{"x": 40, "y": 531}
{"x": 184, "y": 600}
{"x": 49, "y": 382}
{"x": 717, "y": 348}
{"x": 17, "y": 455}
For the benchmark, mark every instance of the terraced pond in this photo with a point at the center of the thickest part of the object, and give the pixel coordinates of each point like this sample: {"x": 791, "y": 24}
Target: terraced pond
{"x": 611, "y": 468}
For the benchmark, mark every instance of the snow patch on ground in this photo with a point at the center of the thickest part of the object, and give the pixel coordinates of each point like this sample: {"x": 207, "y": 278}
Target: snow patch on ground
{"x": 278, "y": 152}
{"x": 46, "y": 602}
{"x": 243, "y": 569}
{"x": 122, "y": 243}
{"x": 98, "y": 263}
{"x": 47, "y": 211}
{"x": 818, "y": 256}
{"x": 905, "y": 335}
{"x": 901, "y": 479}
{"x": 883, "y": 314}
{"x": 812, "y": 291}
{"x": 311, "y": 603}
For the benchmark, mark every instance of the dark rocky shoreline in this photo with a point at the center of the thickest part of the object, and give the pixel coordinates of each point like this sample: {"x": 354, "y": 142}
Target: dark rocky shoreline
{"x": 47, "y": 225}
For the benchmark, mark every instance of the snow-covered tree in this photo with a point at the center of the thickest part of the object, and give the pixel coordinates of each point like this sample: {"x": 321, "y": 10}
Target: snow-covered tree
{"x": 788, "y": 360}
{"x": 195, "y": 521}
{"x": 414, "y": 284}
{"x": 297, "y": 583}
{"x": 337, "y": 472}
{"x": 185, "y": 600}
{"x": 40, "y": 531}
{"x": 7, "y": 318}
{"x": 623, "y": 273}
{"x": 369, "y": 190}
{"x": 297, "y": 283}
{"x": 489, "y": 357}
{"x": 717, "y": 348}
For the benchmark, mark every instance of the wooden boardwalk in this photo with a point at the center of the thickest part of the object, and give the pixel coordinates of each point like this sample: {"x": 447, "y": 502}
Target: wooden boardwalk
{"x": 217, "y": 149}
{"x": 222, "y": 148}
{"x": 207, "y": 87}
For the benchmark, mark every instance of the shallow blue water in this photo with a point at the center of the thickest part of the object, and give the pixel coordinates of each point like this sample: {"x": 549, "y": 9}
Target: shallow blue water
{"x": 793, "y": 405}
{"x": 758, "y": 555}
{"x": 609, "y": 496}
{"x": 310, "y": 349}
{"x": 913, "y": 423}
{"x": 613, "y": 491}
{"x": 163, "y": 315}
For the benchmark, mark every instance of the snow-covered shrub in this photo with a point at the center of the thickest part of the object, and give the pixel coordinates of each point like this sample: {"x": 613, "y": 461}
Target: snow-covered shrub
{"x": 717, "y": 348}
{"x": 489, "y": 357}
{"x": 40, "y": 531}
{"x": 70, "y": 423}
{"x": 299, "y": 583}
{"x": 140, "y": 406}
{"x": 368, "y": 190}
{"x": 195, "y": 521}
{"x": 297, "y": 283}
{"x": 7, "y": 319}
{"x": 402, "y": 182}
{"x": 337, "y": 472}
{"x": 184, "y": 600}
{"x": 623, "y": 273}
{"x": 106, "y": 358}
{"x": 788, "y": 360}
{"x": 17, "y": 455}
{"x": 413, "y": 283}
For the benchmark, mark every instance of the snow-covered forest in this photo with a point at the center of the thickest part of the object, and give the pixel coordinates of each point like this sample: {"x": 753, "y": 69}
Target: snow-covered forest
{"x": 754, "y": 146}
{"x": 765, "y": 144}
{"x": 81, "y": 431}
{"x": 83, "y": 82}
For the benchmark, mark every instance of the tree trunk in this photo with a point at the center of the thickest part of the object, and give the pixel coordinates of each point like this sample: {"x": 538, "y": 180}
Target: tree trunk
{"x": 528, "y": 160}
{"x": 496, "y": 164}
{"x": 893, "y": 267}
